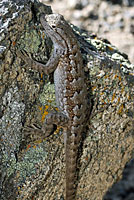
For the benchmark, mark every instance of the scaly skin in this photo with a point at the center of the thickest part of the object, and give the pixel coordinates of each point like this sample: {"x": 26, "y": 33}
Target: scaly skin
{"x": 70, "y": 90}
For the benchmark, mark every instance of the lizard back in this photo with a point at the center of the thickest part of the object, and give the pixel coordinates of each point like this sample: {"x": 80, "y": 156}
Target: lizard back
{"x": 71, "y": 94}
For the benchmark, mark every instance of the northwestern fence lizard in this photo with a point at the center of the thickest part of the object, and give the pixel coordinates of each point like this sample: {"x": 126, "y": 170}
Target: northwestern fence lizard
{"x": 70, "y": 90}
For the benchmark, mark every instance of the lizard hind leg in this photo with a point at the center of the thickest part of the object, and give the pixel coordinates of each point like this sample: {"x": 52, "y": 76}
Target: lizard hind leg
{"x": 52, "y": 119}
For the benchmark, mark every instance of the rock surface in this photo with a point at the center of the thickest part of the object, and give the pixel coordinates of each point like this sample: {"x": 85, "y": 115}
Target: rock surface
{"x": 32, "y": 167}
{"x": 124, "y": 189}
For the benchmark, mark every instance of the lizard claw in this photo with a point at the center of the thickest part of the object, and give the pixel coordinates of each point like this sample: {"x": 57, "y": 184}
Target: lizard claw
{"x": 29, "y": 130}
{"x": 37, "y": 132}
{"x": 33, "y": 132}
{"x": 23, "y": 54}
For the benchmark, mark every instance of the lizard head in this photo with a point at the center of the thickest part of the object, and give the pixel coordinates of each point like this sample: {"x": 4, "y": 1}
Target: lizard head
{"x": 54, "y": 21}
{"x": 58, "y": 30}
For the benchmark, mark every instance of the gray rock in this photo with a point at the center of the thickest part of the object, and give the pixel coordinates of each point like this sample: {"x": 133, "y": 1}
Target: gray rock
{"x": 124, "y": 189}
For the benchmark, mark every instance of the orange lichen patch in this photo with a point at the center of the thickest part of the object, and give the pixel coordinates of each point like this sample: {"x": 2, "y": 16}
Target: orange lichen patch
{"x": 40, "y": 108}
{"x": 118, "y": 101}
{"x": 44, "y": 115}
{"x": 29, "y": 145}
{"x": 44, "y": 112}
{"x": 43, "y": 35}
{"x": 93, "y": 88}
{"x": 41, "y": 75}
{"x": 113, "y": 97}
{"x": 128, "y": 97}
{"x": 86, "y": 158}
{"x": 115, "y": 76}
{"x": 105, "y": 88}
{"x": 120, "y": 109}
{"x": 111, "y": 48}
{"x": 106, "y": 76}
{"x": 101, "y": 93}
{"x": 19, "y": 190}
{"x": 46, "y": 107}
{"x": 122, "y": 90}
{"x": 108, "y": 100}
{"x": 38, "y": 142}
{"x": 119, "y": 78}
{"x": 57, "y": 130}
{"x": 13, "y": 43}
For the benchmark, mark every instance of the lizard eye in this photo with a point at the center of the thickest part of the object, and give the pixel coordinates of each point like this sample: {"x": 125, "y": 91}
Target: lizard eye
{"x": 53, "y": 26}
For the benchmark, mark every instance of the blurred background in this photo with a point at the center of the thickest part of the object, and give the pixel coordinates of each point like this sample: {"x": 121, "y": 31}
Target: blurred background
{"x": 110, "y": 19}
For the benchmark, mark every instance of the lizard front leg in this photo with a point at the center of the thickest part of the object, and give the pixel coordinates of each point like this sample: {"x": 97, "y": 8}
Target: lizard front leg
{"x": 47, "y": 68}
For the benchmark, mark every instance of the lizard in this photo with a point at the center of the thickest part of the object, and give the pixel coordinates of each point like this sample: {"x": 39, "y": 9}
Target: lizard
{"x": 70, "y": 90}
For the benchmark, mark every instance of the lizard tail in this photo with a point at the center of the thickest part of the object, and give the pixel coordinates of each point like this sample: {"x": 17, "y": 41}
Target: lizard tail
{"x": 71, "y": 164}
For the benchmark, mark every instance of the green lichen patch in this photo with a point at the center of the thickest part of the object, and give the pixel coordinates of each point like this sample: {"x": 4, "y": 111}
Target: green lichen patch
{"x": 47, "y": 97}
{"x": 28, "y": 165}
{"x": 32, "y": 158}
{"x": 32, "y": 41}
